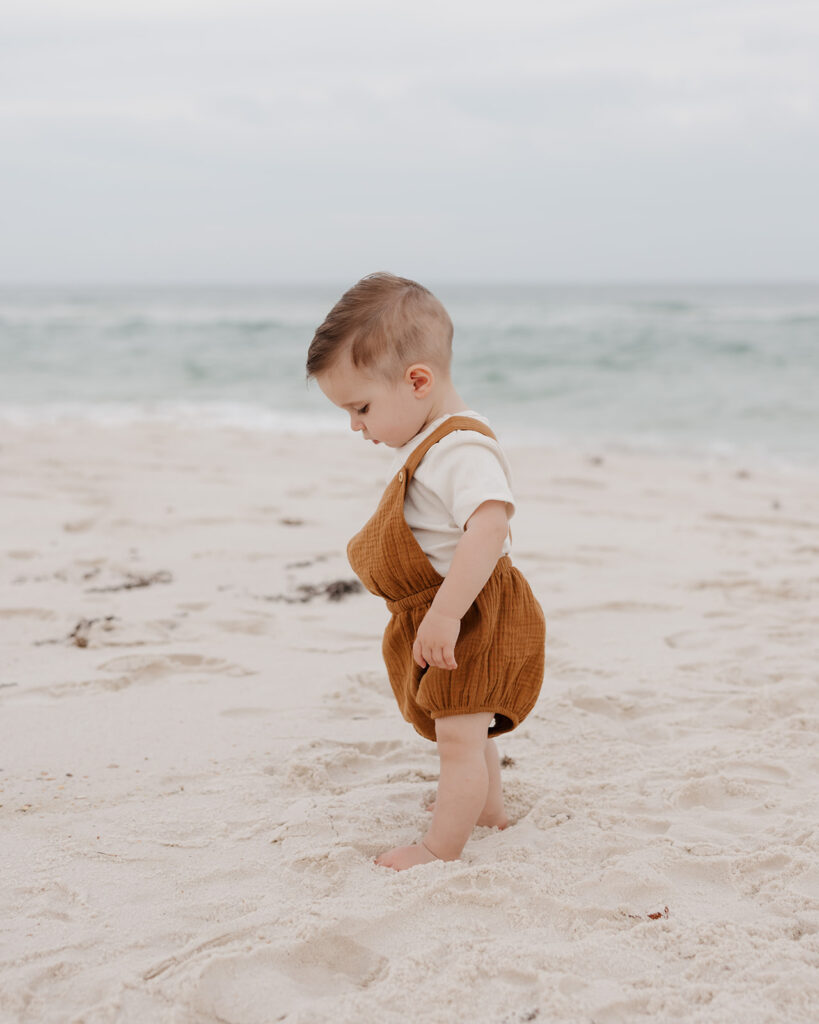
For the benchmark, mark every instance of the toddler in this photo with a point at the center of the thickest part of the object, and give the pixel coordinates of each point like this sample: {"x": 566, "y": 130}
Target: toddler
{"x": 464, "y": 647}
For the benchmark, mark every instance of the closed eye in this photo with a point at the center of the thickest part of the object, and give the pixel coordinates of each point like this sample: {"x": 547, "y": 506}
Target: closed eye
{"x": 362, "y": 410}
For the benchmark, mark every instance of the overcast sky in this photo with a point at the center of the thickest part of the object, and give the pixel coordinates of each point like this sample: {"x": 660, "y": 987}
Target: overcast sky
{"x": 230, "y": 141}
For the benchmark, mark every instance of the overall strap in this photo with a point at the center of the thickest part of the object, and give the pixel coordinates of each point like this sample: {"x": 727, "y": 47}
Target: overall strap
{"x": 447, "y": 427}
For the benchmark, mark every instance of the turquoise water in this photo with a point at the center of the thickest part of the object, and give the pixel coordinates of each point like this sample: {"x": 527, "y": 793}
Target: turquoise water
{"x": 699, "y": 369}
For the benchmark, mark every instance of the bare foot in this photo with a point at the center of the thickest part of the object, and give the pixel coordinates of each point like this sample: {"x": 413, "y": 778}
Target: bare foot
{"x": 496, "y": 820}
{"x": 402, "y": 857}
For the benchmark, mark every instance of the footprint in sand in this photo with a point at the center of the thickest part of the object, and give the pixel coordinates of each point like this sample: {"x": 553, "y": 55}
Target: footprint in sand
{"x": 248, "y": 627}
{"x": 716, "y": 793}
{"x": 144, "y": 668}
{"x": 79, "y": 525}
{"x": 51, "y": 900}
{"x": 372, "y": 681}
{"x": 269, "y": 984}
{"x": 626, "y": 881}
{"x": 636, "y": 607}
{"x": 759, "y": 771}
{"x": 366, "y": 695}
{"x": 566, "y": 668}
{"x": 27, "y": 613}
{"x": 691, "y": 639}
{"x": 138, "y": 669}
{"x": 546, "y": 813}
{"x": 761, "y": 866}
{"x": 328, "y": 766}
{"x": 614, "y": 706}
{"x": 779, "y": 878}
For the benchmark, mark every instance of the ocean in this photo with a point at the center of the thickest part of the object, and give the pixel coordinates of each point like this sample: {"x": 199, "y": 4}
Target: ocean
{"x": 697, "y": 370}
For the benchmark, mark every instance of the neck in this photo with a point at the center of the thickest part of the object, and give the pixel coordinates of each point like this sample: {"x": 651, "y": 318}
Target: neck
{"x": 446, "y": 402}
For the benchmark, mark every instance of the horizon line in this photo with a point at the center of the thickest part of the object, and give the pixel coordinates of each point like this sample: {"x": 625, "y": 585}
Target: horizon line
{"x": 475, "y": 282}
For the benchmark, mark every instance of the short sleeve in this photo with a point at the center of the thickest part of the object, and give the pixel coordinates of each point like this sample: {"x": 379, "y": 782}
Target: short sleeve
{"x": 465, "y": 469}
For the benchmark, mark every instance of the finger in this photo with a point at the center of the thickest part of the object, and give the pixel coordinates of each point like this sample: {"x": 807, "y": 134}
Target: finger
{"x": 417, "y": 655}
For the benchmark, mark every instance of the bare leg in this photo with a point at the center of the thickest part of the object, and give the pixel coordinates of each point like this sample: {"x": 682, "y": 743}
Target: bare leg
{"x": 493, "y": 813}
{"x": 463, "y": 788}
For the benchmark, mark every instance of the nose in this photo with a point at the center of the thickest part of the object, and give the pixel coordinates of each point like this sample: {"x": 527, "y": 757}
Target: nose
{"x": 355, "y": 422}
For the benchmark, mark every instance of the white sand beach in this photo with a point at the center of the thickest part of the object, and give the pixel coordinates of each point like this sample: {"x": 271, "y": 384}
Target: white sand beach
{"x": 200, "y": 755}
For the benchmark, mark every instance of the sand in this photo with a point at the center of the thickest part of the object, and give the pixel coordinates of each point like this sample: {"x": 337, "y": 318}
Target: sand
{"x": 200, "y": 754}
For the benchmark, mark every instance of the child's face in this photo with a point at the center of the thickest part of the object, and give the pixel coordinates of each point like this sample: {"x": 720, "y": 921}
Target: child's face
{"x": 386, "y": 413}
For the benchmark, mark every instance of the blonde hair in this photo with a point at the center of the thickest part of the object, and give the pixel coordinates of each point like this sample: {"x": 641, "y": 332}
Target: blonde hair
{"x": 384, "y": 323}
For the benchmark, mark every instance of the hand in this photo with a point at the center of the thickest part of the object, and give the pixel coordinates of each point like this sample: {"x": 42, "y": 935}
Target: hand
{"x": 435, "y": 641}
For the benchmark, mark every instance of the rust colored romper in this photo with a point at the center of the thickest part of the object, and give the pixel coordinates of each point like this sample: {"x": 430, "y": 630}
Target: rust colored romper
{"x": 501, "y": 646}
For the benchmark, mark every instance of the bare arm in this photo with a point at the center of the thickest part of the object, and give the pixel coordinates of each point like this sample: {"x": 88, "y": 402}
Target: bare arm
{"x": 475, "y": 557}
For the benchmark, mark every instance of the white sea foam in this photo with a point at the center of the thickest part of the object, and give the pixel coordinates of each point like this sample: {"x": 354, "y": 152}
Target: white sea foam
{"x": 184, "y": 414}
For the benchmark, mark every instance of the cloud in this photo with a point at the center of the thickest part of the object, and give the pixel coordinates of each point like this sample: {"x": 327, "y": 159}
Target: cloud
{"x": 286, "y": 120}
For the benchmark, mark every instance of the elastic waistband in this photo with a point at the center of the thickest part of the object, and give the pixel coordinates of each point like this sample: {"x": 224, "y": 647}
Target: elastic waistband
{"x": 503, "y": 565}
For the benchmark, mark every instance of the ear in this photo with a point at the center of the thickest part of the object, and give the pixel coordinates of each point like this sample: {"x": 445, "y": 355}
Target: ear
{"x": 420, "y": 378}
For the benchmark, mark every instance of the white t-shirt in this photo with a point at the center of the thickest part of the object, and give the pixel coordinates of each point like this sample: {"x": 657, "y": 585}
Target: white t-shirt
{"x": 456, "y": 475}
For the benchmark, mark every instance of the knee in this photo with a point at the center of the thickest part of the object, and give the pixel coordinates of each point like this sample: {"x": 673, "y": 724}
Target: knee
{"x": 458, "y": 734}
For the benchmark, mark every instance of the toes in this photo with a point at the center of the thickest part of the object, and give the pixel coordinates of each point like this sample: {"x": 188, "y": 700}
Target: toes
{"x": 386, "y": 860}
{"x": 403, "y": 857}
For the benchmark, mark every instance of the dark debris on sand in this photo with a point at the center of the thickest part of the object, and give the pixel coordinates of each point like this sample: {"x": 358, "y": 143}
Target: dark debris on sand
{"x": 79, "y": 635}
{"x": 132, "y": 580}
{"x": 336, "y": 590}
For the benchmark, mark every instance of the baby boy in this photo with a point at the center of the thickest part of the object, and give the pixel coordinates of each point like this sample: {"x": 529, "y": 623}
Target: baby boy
{"x": 464, "y": 647}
